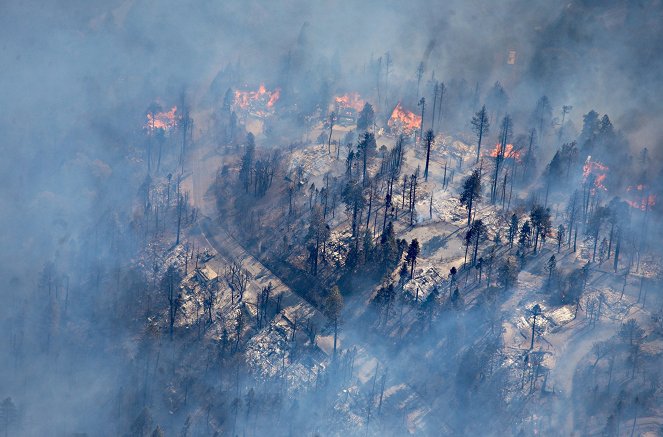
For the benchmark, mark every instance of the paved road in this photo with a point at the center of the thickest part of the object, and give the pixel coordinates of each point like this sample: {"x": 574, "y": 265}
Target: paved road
{"x": 203, "y": 167}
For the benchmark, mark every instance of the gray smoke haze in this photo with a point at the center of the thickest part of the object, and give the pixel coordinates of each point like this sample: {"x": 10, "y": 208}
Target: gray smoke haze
{"x": 76, "y": 78}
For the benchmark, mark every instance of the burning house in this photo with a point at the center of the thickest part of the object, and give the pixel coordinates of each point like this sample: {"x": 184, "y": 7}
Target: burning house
{"x": 161, "y": 120}
{"x": 509, "y": 152}
{"x": 403, "y": 121}
{"x": 347, "y": 108}
{"x": 258, "y": 103}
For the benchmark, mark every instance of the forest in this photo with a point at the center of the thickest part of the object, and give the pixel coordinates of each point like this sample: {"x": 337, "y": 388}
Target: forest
{"x": 309, "y": 218}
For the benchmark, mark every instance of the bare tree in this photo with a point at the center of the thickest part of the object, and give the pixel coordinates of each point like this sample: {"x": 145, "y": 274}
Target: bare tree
{"x": 429, "y": 140}
{"x": 480, "y": 126}
{"x": 237, "y": 278}
{"x": 332, "y": 120}
{"x": 333, "y": 306}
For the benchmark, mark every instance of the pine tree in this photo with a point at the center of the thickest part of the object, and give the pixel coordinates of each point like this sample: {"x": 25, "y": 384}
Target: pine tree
{"x": 481, "y": 127}
{"x": 471, "y": 193}
{"x": 412, "y": 254}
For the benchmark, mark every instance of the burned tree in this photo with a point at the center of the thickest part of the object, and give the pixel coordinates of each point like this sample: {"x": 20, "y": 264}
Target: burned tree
{"x": 513, "y": 229}
{"x": 481, "y": 127}
{"x": 505, "y": 135}
{"x": 332, "y": 120}
{"x": 246, "y": 167}
{"x": 429, "y": 141}
{"x": 318, "y": 234}
{"x": 332, "y": 308}
{"x": 536, "y": 312}
{"x": 170, "y": 284}
{"x": 237, "y": 278}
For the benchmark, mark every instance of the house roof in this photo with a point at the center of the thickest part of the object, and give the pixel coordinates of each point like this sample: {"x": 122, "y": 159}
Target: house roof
{"x": 207, "y": 274}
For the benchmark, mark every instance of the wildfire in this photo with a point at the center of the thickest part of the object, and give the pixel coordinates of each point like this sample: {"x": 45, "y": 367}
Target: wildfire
{"x": 161, "y": 120}
{"x": 350, "y": 100}
{"x": 259, "y": 102}
{"x": 509, "y": 152}
{"x": 646, "y": 200}
{"x": 596, "y": 170}
{"x": 402, "y": 119}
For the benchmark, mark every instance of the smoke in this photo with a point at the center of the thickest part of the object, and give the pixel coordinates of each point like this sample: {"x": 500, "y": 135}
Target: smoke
{"x": 77, "y": 78}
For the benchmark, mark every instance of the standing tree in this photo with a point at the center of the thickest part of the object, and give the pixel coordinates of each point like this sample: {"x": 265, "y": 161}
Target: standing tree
{"x": 429, "y": 140}
{"x": 513, "y": 229}
{"x": 551, "y": 267}
{"x": 560, "y": 237}
{"x": 247, "y": 162}
{"x": 536, "y": 312}
{"x": 505, "y": 135}
{"x": 452, "y": 277}
{"x": 412, "y": 254}
{"x": 420, "y": 74}
{"x": 542, "y": 116}
{"x": 540, "y": 220}
{"x": 524, "y": 238}
{"x": 367, "y": 147}
{"x": 422, "y": 103}
{"x": 333, "y": 306}
{"x": 480, "y": 126}
{"x": 318, "y": 234}
{"x": 436, "y": 91}
{"x": 507, "y": 273}
{"x": 353, "y": 197}
{"x": 366, "y": 118}
{"x": 8, "y": 415}
{"x": 170, "y": 285}
{"x": 565, "y": 110}
{"x": 478, "y": 233}
{"x": 441, "y": 90}
{"x": 332, "y": 120}
{"x": 389, "y": 250}
{"x": 595, "y": 225}
{"x": 471, "y": 193}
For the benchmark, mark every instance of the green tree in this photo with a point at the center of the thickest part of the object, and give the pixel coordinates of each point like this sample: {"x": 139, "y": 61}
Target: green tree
{"x": 366, "y": 118}
{"x": 507, "y": 273}
{"x": 412, "y": 254}
{"x": 540, "y": 220}
{"x": 389, "y": 247}
{"x": 471, "y": 193}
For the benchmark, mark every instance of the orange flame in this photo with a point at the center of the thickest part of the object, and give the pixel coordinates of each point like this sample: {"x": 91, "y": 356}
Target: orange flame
{"x": 402, "y": 119}
{"x": 509, "y": 152}
{"x": 259, "y": 102}
{"x": 161, "y": 120}
{"x": 646, "y": 200}
{"x": 350, "y": 100}
{"x": 644, "y": 203}
{"x": 597, "y": 169}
